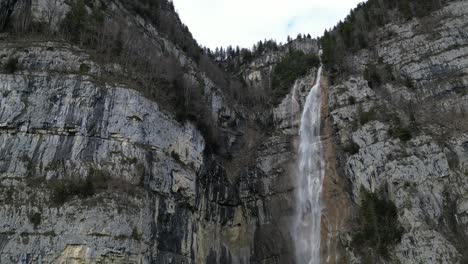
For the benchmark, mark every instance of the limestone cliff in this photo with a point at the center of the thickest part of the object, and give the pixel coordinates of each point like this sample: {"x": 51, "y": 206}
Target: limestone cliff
{"x": 102, "y": 162}
{"x": 404, "y": 139}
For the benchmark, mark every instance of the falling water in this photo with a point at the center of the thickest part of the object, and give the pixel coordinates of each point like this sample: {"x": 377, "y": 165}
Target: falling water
{"x": 309, "y": 176}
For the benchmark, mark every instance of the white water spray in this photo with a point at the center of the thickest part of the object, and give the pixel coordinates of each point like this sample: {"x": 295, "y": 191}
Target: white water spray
{"x": 310, "y": 173}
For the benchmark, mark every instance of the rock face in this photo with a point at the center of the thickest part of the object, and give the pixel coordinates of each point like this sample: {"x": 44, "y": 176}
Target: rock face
{"x": 258, "y": 73}
{"x": 423, "y": 173}
{"x": 95, "y": 169}
{"x": 67, "y": 126}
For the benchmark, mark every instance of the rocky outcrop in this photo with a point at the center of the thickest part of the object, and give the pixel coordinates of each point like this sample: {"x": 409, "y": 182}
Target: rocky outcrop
{"x": 258, "y": 74}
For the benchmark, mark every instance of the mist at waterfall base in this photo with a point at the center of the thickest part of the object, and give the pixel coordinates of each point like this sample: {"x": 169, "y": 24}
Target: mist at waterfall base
{"x": 309, "y": 177}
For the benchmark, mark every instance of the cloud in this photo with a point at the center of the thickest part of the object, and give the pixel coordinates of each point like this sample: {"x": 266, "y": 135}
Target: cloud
{"x": 217, "y": 23}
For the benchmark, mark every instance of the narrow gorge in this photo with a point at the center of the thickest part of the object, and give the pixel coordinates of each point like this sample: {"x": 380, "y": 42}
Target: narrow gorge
{"x": 123, "y": 141}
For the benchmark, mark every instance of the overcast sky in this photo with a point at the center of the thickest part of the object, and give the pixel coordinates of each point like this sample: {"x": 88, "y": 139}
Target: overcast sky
{"x": 216, "y": 23}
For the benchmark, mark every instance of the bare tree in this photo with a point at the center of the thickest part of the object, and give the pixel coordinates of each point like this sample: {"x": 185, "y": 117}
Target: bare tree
{"x": 52, "y": 13}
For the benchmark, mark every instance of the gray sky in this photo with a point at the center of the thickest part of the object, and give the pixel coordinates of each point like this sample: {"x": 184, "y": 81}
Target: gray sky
{"x": 216, "y": 23}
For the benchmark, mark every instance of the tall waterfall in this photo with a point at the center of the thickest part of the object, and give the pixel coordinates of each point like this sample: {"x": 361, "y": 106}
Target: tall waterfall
{"x": 310, "y": 173}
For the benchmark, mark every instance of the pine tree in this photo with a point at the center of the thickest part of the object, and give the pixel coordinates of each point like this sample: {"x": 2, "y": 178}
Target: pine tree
{"x": 260, "y": 47}
{"x": 230, "y": 51}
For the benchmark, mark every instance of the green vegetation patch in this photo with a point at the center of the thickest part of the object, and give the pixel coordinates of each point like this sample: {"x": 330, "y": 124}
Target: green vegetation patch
{"x": 378, "y": 228}
{"x": 296, "y": 64}
{"x": 367, "y": 116}
{"x": 352, "y": 148}
{"x": 378, "y": 74}
{"x": 84, "y": 68}
{"x": 400, "y": 130}
{"x": 64, "y": 190}
{"x": 35, "y": 219}
{"x": 136, "y": 235}
{"x": 11, "y": 66}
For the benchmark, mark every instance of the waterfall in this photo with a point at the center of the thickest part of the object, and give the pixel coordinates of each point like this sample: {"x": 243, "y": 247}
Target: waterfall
{"x": 309, "y": 177}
